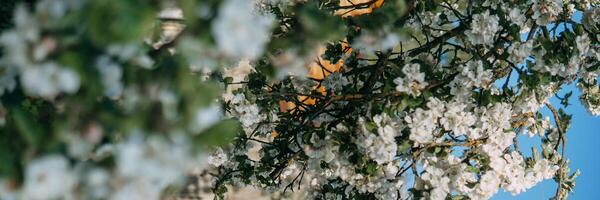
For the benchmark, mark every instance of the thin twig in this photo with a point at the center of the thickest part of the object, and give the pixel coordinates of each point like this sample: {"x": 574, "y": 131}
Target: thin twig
{"x": 561, "y": 139}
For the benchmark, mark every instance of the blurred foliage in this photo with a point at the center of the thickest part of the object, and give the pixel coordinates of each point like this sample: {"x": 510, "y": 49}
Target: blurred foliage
{"x": 36, "y": 126}
{"x": 6, "y": 8}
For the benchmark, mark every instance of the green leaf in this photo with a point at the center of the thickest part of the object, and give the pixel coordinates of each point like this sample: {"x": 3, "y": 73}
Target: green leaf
{"x": 118, "y": 21}
{"x": 472, "y": 169}
{"x": 371, "y": 168}
{"x": 228, "y": 80}
{"x": 27, "y": 127}
{"x": 404, "y": 146}
{"x": 219, "y": 134}
{"x": 594, "y": 67}
{"x": 459, "y": 197}
{"x": 371, "y": 127}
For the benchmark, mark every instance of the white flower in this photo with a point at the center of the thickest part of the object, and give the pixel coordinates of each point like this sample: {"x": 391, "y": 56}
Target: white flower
{"x": 483, "y": 28}
{"x": 436, "y": 179}
{"x": 495, "y": 118}
{"x": 145, "y": 166}
{"x": 218, "y": 158}
{"x": 528, "y": 103}
{"x": 422, "y": 124}
{"x": 49, "y": 79}
{"x": 544, "y": 170}
{"x": 488, "y": 186}
{"x": 436, "y": 106}
{"x": 583, "y": 44}
{"x": 49, "y": 177}
{"x": 413, "y": 81}
{"x": 240, "y": 33}
{"x": 557, "y": 68}
{"x": 478, "y": 76}
{"x": 472, "y": 74}
{"x": 517, "y": 17}
{"x": 460, "y": 178}
{"x": 7, "y": 79}
{"x": 26, "y": 24}
{"x": 456, "y": 119}
{"x": 380, "y": 147}
{"x": 380, "y": 41}
{"x": 247, "y": 113}
{"x": 110, "y": 76}
{"x": 590, "y": 98}
{"x": 385, "y": 126}
{"x": 519, "y": 51}
{"x": 391, "y": 169}
{"x": 97, "y": 183}
{"x": 546, "y": 11}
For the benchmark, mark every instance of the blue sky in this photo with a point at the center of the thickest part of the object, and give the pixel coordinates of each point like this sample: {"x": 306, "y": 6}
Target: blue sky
{"x": 582, "y": 138}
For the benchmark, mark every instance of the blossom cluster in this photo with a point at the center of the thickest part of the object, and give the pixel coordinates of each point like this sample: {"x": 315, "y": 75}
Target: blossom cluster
{"x": 433, "y": 112}
{"x": 112, "y": 100}
{"x": 361, "y": 99}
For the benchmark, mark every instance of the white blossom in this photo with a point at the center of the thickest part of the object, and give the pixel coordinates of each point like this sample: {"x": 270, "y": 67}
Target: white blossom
{"x": 517, "y": 17}
{"x": 380, "y": 147}
{"x": 380, "y": 41}
{"x": 456, "y": 119}
{"x": 49, "y": 177}
{"x": 145, "y": 166}
{"x": 49, "y": 79}
{"x": 583, "y": 44}
{"x": 546, "y": 11}
{"x": 97, "y": 183}
{"x": 413, "y": 81}
{"x": 422, "y": 124}
{"x": 590, "y": 98}
{"x": 544, "y": 169}
{"x": 519, "y": 52}
{"x": 439, "y": 183}
{"x": 488, "y": 186}
{"x": 110, "y": 76}
{"x": 248, "y": 113}
{"x": 239, "y": 32}
{"x": 483, "y": 28}
{"x": 476, "y": 74}
{"x": 218, "y": 158}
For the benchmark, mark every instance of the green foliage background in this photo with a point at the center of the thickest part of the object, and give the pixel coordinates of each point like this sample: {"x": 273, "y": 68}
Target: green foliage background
{"x": 37, "y": 126}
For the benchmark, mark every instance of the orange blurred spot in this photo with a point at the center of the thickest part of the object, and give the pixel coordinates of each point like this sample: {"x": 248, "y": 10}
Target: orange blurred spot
{"x": 321, "y": 68}
{"x": 274, "y": 134}
{"x": 359, "y": 10}
{"x": 318, "y": 71}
